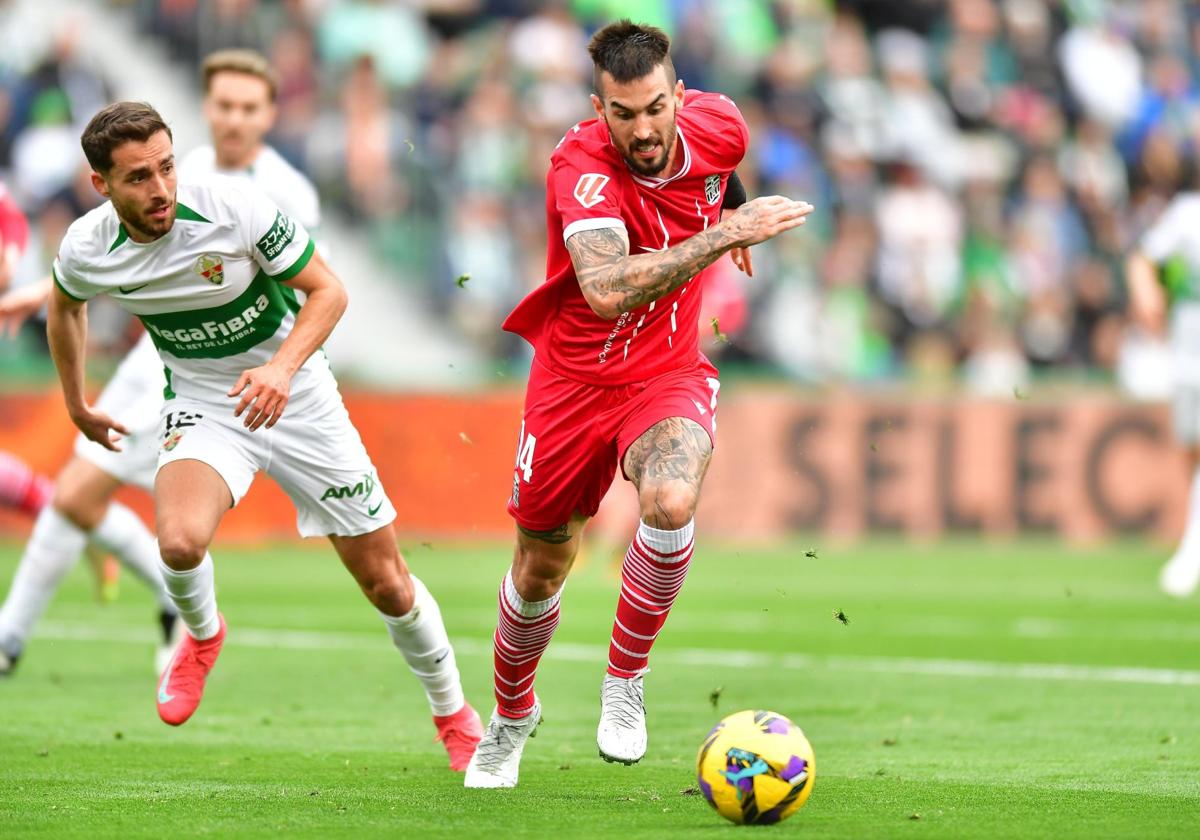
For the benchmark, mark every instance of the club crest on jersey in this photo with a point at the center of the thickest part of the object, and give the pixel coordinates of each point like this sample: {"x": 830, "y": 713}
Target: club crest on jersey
{"x": 587, "y": 190}
{"x": 210, "y": 267}
{"x": 712, "y": 188}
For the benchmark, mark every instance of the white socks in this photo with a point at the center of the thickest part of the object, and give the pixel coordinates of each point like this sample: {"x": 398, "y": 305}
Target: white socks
{"x": 1190, "y": 544}
{"x": 421, "y": 637}
{"x": 195, "y": 596}
{"x": 52, "y": 550}
{"x": 123, "y": 534}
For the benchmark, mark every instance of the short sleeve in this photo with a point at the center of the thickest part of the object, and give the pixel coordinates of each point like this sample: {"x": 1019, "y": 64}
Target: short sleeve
{"x": 67, "y": 277}
{"x": 721, "y": 128}
{"x": 279, "y": 244}
{"x": 586, "y": 193}
{"x": 1166, "y": 236}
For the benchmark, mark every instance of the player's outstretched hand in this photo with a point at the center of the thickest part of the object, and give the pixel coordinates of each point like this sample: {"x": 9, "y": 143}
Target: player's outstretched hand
{"x": 264, "y": 392}
{"x": 98, "y": 426}
{"x": 764, "y": 217}
{"x": 17, "y": 306}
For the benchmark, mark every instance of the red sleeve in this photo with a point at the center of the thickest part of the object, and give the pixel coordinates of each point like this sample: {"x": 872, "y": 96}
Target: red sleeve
{"x": 14, "y": 229}
{"x": 720, "y": 125}
{"x": 586, "y": 191}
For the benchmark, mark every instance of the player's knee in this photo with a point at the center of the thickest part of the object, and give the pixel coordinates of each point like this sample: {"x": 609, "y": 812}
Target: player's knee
{"x": 179, "y": 550}
{"x": 668, "y": 505}
{"x": 81, "y": 493}
{"x": 538, "y": 574}
{"x": 391, "y": 594}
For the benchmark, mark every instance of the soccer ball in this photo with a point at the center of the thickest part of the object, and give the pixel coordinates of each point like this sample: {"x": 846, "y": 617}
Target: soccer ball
{"x": 756, "y": 768}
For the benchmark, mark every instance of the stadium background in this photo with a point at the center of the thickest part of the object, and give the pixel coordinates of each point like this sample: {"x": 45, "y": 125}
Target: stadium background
{"x": 979, "y": 170}
{"x": 945, "y": 479}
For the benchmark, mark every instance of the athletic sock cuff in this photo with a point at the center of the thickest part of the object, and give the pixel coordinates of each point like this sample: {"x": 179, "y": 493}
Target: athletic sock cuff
{"x": 526, "y": 609}
{"x": 667, "y": 543}
{"x": 421, "y": 596}
{"x": 187, "y": 574}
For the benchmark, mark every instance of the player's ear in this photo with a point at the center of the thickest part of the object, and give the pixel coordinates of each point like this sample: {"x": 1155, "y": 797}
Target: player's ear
{"x": 679, "y": 89}
{"x": 599, "y": 106}
{"x": 99, "y": 184}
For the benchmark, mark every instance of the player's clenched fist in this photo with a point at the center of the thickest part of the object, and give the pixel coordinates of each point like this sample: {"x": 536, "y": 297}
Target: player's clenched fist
{"x": 759, "y": 220}
{"x": 264, "y": 392}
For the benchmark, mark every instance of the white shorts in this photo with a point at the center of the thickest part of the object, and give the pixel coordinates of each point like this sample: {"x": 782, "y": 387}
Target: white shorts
{"x": 314, "y": 454}
{"x": 133, "y": 397}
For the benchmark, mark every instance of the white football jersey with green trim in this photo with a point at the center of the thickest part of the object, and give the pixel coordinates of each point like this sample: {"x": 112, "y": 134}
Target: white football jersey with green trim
{"x": 210, "y": 291}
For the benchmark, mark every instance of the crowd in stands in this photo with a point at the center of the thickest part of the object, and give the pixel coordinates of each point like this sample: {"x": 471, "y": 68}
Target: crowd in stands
{"x": 979, "y": 167}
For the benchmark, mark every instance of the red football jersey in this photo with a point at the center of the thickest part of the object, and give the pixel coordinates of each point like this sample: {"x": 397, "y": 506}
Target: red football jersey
{"x": 589, "y": 186}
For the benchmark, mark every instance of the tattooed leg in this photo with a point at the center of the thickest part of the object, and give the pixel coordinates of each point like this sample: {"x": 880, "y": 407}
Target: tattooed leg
{"x": 542, "y": 559}
{"x": 667, "y": 465}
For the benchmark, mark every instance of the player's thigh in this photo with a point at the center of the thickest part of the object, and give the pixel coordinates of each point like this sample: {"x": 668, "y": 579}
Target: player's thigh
{"x": 319, "y": 460}
{"x": 671, "y": 428}
{"x": 566, "y": 453}
{"x": 82, "y": 491}
{"x": 190, "y": 498}
{"x": 667, "y": 445}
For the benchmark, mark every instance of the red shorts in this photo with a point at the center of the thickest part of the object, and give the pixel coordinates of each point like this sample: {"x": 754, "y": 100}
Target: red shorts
{"x": 573, "y": 436}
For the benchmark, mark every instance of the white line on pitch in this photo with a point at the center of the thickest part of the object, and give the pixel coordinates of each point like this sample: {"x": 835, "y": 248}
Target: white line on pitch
{"x": 699, "y": 657}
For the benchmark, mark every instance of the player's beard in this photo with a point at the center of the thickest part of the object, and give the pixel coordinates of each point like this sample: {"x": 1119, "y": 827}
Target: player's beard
{"x": 141, "y": 221}
{"x": 654, "y": 165}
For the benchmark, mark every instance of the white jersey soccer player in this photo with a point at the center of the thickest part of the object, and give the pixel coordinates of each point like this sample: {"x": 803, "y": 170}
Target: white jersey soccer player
{"x": 212, "y": 270}
{"x": 1164, "y": 284}
{"x": 134, "y": 395}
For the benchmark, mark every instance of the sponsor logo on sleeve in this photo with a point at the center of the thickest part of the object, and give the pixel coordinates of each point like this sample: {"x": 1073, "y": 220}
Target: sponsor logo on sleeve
{"x": 278, "y": 237}
{"x": 588, "y": 188}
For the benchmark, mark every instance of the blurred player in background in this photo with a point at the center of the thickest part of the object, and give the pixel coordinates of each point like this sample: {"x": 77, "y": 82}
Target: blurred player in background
{"x": 21, "y": 489}
{"x": 1163, "y": 274}
{"x": 210, "y": 270}
{"x": 239, "y": 107}
{"x": 633, "y": 207}
{"x": 78, "y": 508}
{"x": 14, "y": 236}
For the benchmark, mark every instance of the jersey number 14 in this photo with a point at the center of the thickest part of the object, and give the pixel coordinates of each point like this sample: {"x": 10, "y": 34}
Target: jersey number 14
{"x": 525, "y": 445}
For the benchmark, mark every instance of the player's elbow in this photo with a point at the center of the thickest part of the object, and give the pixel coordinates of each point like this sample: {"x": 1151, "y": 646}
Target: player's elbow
{"x": 604, "y": 306}
{"x": 339, "y": 299}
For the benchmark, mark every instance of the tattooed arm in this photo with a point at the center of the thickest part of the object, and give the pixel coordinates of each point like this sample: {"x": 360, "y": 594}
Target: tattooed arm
{"x": 615, "y": 282}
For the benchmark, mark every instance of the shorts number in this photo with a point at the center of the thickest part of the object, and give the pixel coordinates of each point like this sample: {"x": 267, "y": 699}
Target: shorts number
{"x": 525, "y": 445}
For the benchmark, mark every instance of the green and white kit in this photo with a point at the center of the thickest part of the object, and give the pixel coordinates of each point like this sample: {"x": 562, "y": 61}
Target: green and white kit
{"x": 1173, "y": 243}
{"x": 211, "y": 294}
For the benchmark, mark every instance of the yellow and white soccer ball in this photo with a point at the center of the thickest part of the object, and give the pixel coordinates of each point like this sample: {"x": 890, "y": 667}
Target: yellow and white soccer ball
{"x": 756, "y": 768}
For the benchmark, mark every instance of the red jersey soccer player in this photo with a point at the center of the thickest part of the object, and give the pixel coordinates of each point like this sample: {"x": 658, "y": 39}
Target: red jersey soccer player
{"x": 617, "y": 377}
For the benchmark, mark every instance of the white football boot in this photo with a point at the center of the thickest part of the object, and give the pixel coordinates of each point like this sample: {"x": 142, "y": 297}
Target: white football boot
{"x": 621, "y": 735}
{"x": 497, "y": 759}
{"x": 1181, "y": 575}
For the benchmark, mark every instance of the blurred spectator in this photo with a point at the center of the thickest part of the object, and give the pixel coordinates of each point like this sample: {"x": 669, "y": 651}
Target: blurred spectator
{"x": 978, "y": 165}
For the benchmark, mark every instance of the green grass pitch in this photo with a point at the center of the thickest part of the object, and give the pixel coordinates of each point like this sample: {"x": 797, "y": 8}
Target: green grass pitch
{"x": 978, "y": 690}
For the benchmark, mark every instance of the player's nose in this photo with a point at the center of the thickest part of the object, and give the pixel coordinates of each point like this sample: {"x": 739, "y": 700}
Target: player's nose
{"x": 643, "y": 128}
